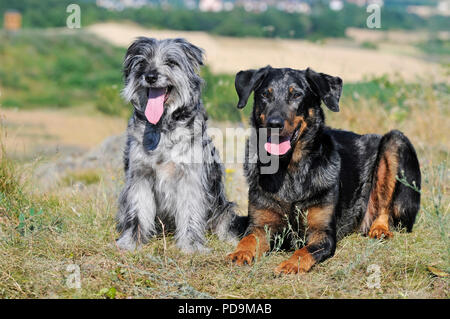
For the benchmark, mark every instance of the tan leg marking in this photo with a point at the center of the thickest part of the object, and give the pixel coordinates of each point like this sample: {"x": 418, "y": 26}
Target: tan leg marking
{"x": 251, "y": 246}
{"x": 380, "y": 202}
{"x": 256, "y": 244}
{"x": 301, "y": 261}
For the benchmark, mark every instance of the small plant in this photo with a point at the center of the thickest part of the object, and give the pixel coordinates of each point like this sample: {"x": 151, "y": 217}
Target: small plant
{"x": 369, "y": 45}
{"x": 296, "y": 236}
{"x": 109, "y": 293}
{"x": 29, "y": 222}
{"x": 405, "y": 182}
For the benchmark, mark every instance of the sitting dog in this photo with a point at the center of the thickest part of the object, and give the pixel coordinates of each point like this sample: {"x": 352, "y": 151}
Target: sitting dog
{"x": 173, "y": 173}
{"x": 342, "y": 181}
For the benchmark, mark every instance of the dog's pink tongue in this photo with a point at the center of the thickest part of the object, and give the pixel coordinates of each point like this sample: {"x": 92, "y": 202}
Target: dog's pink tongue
{"x": 155, "y": 105}
{"x": 278, "y": 149}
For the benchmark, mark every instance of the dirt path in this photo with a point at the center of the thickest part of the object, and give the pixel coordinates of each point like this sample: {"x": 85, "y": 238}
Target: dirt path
{"x": 229, "y": 55}
{"x": 48, "y": 132}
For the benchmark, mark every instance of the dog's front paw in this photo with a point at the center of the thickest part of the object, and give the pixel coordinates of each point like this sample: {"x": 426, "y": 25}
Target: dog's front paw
{"x": 301, "y": 261}
{"x": 289, "y": 266}
{"x": 193, "y": 248}
{"x": 241, "y": 257}
{"x": 126, "y": 243}
{"x": 380, "y": 231}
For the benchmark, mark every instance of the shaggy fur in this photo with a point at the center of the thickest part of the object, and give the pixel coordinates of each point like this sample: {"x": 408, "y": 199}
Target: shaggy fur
{"x": 178, "y": 184}
{"x": 343, "y": 181}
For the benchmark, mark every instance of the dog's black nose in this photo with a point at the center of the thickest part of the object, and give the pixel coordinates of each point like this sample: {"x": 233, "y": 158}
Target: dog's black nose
{"x": 275, "y": 122}
{"x": 151, "y": 77}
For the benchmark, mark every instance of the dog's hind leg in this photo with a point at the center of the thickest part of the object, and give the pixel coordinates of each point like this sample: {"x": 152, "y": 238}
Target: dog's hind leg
{"x": 136, "y": 215}
{"x": 406, "y": 198}
{"x": 386, "y": 195}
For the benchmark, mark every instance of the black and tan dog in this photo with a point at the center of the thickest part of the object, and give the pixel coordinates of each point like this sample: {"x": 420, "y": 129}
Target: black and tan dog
{"x": 344, "y": 182}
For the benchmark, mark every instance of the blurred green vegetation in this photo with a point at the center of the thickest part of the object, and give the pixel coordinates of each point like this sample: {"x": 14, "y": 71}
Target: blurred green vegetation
{"x": 390, "y": 91}
{"x": 110, "y": 102}
{"x": 51, "y": 69}
{"x": 322, "y": 22}
{"x": 435, "y": 46}
{"x": 220, "y": 98}
{"x": 369, "y": 45}
{"x": 55, "y": 70}
{"x": 85, "y": 177}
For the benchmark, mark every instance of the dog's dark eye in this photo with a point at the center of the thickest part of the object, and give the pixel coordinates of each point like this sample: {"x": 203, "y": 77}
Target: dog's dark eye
{"x": 296, "y": 95}
{"x": 265, "y": 94}
{"x": 138, "y": 66}
{"x": 171, "y": 63}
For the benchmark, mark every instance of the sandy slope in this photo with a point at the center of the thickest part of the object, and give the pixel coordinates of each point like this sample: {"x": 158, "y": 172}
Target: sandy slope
{"x": 230, "y": 55}
{"x": 50, "y": 132}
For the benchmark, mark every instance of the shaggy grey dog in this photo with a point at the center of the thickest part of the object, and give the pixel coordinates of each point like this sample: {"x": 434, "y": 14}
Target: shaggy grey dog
{"x": 172, "y": 170}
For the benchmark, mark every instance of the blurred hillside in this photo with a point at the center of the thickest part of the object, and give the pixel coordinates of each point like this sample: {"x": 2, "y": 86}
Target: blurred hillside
{"x": 55, "y": 69}
{"x": 317, "y": 22}
{"x": 60, "y": 68}
{"x": 56, "y": 83}
{"x": 348, "y": 58}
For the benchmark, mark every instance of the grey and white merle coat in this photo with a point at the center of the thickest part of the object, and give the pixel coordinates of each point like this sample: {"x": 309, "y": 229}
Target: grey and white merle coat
{"x": 173, "y": 174}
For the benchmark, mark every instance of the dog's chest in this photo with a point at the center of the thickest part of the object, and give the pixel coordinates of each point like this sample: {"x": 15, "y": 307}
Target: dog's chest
{"x": 176, "y": 146}
{"x": 177, "y": 156}
{"x": 283, "y": 188}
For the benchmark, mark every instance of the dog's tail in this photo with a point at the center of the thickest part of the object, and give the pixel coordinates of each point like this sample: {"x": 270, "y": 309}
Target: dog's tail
{"x": 227, "y": 224}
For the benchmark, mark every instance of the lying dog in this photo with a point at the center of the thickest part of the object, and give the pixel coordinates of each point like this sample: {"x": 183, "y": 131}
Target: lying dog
{"x": 343, "y": 181}
{"x": 173, "y": 172}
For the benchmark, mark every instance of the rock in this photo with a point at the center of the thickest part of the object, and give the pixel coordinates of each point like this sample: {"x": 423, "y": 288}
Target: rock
{"x": 108, "y": 155}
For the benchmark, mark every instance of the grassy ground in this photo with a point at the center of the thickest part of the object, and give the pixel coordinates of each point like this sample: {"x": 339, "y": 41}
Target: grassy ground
{"x": 44, "y": 235}
{"x": 47, "y": 238}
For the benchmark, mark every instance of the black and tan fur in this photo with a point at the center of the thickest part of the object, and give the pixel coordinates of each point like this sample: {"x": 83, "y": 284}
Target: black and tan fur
{"x": 344, "y": 181}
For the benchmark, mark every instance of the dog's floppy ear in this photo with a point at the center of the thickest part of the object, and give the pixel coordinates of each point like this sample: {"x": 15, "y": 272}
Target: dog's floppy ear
{"x": 194, "y": 53}
{"x": 133, "y": 50}
{"x": 327, "y": 87}
{"x": 248, "y": 81}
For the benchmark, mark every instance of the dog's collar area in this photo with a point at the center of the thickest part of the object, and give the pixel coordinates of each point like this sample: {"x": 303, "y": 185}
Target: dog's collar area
{"x": 152, "y": 136}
